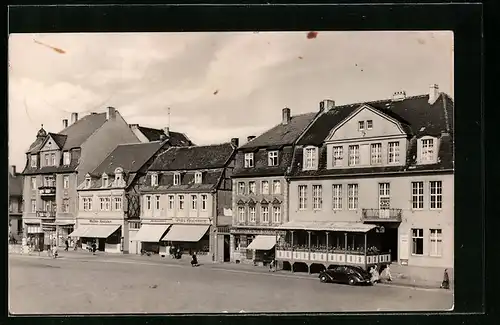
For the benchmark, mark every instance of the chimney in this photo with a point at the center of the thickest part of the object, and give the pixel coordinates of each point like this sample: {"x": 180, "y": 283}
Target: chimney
{"x": 326, "y": 105}
{"x": 433, "y": 93}
{"x": 65, "y": 123}
{"x": 166, "y": 130}
{"x": 13, "y": 170}
{"x": 286, "y": 116}
{"x": 134, "y": 126}
{"x": 74, "y": 117}
{"x": 235, "y": 142}
{"x": 111, "y": 114}
{"x": 399, "y": 95}
{"x": 250, "y": 138}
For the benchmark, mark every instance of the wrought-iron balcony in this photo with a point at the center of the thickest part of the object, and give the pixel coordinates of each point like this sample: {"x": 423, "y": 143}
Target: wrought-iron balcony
{"x": 46, "y": 216}
{"x": 382, "y": 215}
{"x": 47, "y": 190}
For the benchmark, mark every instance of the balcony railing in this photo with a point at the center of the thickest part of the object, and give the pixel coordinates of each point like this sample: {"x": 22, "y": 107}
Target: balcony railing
{"x": 47, "y": 190}
{"x": 255, "y": 223}
{"x": 46, "y": 216}
{"x": 382, "y": 215}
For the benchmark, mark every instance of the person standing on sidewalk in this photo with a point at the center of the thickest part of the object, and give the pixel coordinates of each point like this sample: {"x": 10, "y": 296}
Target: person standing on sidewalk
{"x": 446, "y": 280}
{"x": 66, "y": 242}
{"x": 94, "y": 248}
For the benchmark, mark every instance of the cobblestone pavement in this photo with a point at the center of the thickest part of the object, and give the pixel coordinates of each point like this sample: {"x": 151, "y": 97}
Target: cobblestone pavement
{"x": 96, "y": 284}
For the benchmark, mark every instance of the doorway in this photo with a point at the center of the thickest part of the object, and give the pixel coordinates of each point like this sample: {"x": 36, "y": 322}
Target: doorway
{"x": 389, "y": 241}
{"x": 227, "y": 256}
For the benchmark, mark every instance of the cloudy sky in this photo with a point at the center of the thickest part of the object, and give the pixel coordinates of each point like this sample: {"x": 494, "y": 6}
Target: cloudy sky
{"x": 218, "y": 85}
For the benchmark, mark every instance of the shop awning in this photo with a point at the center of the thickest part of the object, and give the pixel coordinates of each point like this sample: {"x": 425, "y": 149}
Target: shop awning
{"x": 101, "y": 231}
{"x": 327, "y": 226}
{"x": 263, "y": 243}
{"x": 151, "y": 233}
{"x": 186, "y": 233}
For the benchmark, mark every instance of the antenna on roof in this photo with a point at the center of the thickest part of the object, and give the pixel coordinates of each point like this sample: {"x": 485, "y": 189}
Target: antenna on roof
{"x": 168, "y": 122}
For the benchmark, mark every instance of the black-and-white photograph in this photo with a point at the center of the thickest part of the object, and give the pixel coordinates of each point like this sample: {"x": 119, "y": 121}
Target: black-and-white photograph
{"x": 231, "y": 172}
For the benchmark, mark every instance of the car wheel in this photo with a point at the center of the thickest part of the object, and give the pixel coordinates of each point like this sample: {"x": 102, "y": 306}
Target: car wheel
{"x": 323, "y": 278}
{"x": 352, "y": 281}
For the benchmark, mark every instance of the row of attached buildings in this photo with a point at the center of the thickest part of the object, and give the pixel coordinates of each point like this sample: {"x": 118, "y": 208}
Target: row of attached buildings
{"x": 363, "y": 184}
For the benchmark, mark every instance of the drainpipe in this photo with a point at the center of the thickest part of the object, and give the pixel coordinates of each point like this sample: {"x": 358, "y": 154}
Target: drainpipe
{"x": 291, "y": 264}
{"x": 365, "y": 250}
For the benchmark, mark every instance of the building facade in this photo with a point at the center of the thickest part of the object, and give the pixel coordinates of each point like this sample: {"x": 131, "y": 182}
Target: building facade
{"x": 260, "y": 191}
{"x": 186, "y": 201}
{"x": 374, "y": 182}
{"x": 56, "y": 163}
{"x": 15, "y": 205}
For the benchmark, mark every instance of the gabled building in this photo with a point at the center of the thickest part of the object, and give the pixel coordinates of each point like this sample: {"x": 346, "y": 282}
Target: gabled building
{"x": 373, "y": 183}
{"x": 109, "y": 207}
{"x": 260, "y": 191}
{"x": 57, "y": 162}
{"x": 186, "y": 201}
{"x": 15, "y": 205}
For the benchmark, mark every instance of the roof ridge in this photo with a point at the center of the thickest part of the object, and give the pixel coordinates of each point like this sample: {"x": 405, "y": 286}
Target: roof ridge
{"x": 205, "y": 146}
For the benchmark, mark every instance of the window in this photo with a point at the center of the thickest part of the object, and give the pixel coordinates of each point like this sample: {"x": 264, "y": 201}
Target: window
{"x": 436, "y": 238}
{"x": 171, "y": 202}
{"x": 251, "y": 187}
{"x": 65, "y": 205}
{"x": 317, "y": 197}
{"x": 66, "y": 158}
{"x": 249, "y": 160}
{"x": 277, "y": 187}
{"x": 177, "y": 179}
{"x": 53, "y": 159}
{"x": 241, "y": 214}
{"x": 338, "y": 155}
{"x": 154, "y": 179}
{"x": 204, "y": 202}
{"x": 393, "y": 152}
{"x": 181, "y": 202}
{"x": 272, "y": 157}
{"x": 369, "y": 124}
{"x": 89, "y": 200}
{"x": 265, "y": 187}
{"x": 118, "y": 177}
{"x": 148, "y": 202}
{"x": 337, "y": 197}
{"x": 417, "y": 242}
{"x": 361, "y": 125}
{"x": 194, "y": 202}
{"x": 265, "y": 213}
{"x": 33, "y": 160}
{"x": 310, "y": 158}
{"x": 118, "y": 204}
{"x": 302, "y": 197}
{"x": 353, "y": 155}
{"x": 352, "y": 196}
{"x": 241, "y": 188}
{"x": 251, "y": 212}
{"x": 427, "y": 150}
{"x": 276, "y": 214}
{"x": 417, "y": 195}
{"x": 197, "y": 178}
{"x": 86, "y": 204}
{"x": 66, "y": 181}
{"x": 107, "y": 205}
{"x": 436, "y": 194}
{"x": 46, "y": 158}
{"x": 101, "y": 206}
{"x": 105, "y": 181}
{"x": 33, "y": 183}
{"x": 135, "y": 225}
{"x": 157, "y": 202}
{"x": 33, "y": 206}
{"x": 49, "y": 181}
{"x": 376, "y": 153}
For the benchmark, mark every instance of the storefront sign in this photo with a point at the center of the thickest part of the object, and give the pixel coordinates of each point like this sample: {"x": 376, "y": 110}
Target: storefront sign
{"x": 100, "y": 221}
{"x": 205, "y": 221}
{"x": 157, "y": 221}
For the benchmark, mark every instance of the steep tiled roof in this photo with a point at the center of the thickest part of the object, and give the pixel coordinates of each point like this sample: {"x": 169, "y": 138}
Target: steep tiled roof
{"x": 175, "y": 138}
{"x": 130, "y": 157}
{"x": 261, "y": 167}
{"x": 195, "y": 157}
{"x": 15, "y": 185}
{"x": 60, "y": 139}
{"x": 36, "y": 145}
{"x": 282, "y": 134}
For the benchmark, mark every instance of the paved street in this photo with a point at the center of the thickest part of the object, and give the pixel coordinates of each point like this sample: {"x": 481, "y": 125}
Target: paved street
{"x": 96, "y": 284}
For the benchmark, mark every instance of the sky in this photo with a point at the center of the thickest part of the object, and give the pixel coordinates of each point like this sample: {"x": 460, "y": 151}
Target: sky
{"x": 217, "y": 85}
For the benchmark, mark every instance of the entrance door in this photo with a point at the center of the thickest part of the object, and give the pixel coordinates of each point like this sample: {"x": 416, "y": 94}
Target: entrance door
{"x": 227, "y": 256}
{"x": 384, "y": 200}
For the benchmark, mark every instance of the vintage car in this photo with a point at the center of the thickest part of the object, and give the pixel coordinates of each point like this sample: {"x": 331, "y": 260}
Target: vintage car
{"x": 345, "y": 274}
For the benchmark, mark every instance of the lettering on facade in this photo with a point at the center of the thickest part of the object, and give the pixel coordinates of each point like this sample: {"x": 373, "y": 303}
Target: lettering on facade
{"x": 191, "y": 220}
{"x": 99, "y": 221}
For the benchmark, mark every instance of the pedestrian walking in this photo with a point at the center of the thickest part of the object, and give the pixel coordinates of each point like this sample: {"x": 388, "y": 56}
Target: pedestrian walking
{"x": 54, "y": 251}
{"x": 194, "y": 261}
{"x": 67, "y": 245}
{"x": 387, "y": 273}
{"x": 446, "y": 280}
{"x": 94, "y": 248}
{"x": 272, "y": 266}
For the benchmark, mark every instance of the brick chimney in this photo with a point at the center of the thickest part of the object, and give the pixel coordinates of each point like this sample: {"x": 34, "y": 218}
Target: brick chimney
{"x": 65, "y": 123}
{"x": 326, "y": 105}
{"x": 235, "y": 142}
{"x": 74, "y": 117}
{"x": 433, "y": 93}
{"x": 13, "y": 170}
{"x": 399, "y": 95}
{"x": 250, "y": 138}
{"x": 286, "y": 116}
{"x": 111, "y": 113}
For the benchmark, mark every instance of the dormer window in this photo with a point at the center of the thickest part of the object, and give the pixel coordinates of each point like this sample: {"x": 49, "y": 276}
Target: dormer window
{"x": 104, "y": 180}
{"x": 249, "y": 160}
{"x": 118, "y": 176}
{"x": 177, "y": 179}
{"x": 310, "y": 158}
{"x": 272, "y": 157}
{"x": 87, "y": 182}
{"x": 428, "y": 151}
{"x": 53, "y": 159}
{"x": 33, "y": 161}
{"x": 66, "y": 158}
{"x": 198, "y": 178}
{"x": 154, "y": 179}
{"x": 361, "y": 125}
